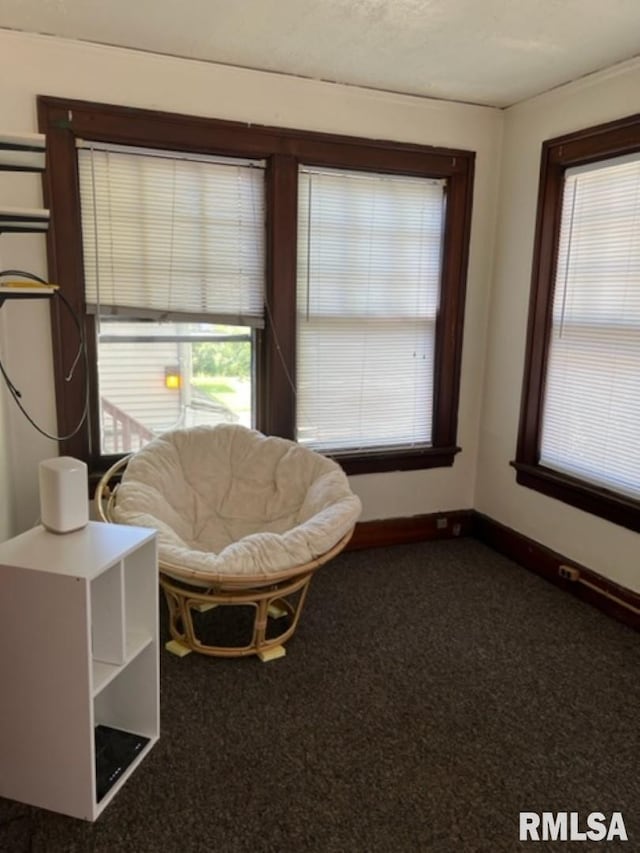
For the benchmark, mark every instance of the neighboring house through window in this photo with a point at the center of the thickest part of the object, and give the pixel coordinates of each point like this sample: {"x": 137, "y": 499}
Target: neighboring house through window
{"x": 580, "y": 427}
{"x": 309, "y": 285}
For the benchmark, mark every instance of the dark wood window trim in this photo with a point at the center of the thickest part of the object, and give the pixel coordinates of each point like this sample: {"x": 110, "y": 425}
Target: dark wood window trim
{"x": 65, "y": 120}
{"x": 586, "y": 146}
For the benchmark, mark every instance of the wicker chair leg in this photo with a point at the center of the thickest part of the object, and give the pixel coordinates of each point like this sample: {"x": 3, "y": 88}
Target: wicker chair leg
{"x": 260, "y": 624}
{"x": 178, "y": 645}
{"x": 274, "y": 603}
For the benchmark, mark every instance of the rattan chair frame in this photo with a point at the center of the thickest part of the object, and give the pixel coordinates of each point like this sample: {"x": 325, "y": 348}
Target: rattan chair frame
{"x": 187, "y": 592}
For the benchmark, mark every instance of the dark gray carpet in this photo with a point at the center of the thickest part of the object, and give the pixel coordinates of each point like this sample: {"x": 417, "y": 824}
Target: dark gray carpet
{"x": 432, "y": 692}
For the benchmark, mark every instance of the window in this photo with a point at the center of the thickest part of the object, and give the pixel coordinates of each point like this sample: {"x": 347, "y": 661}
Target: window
{"x": 369, "y": 253}
{"x": 580, "y": 429}
{"x": 173, "y": 254}
{"x": 308, "y": 284}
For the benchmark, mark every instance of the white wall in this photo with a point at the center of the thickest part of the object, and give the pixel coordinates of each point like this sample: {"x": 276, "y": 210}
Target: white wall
{"x": 607, "y": 548}
{"x": 6, "y": 504}
{"x": 32, "y": 65}
{"x": 25, "y": 349}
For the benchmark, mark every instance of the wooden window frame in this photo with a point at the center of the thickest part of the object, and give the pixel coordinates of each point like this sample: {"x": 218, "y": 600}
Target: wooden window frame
{"x": 64, "y": 120}
{"x": 586, "y": 146}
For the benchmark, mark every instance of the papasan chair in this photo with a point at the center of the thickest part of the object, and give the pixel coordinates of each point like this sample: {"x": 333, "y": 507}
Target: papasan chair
{"x": 243, "y": 520}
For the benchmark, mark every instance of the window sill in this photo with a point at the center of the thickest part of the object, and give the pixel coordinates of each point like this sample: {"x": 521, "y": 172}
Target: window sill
{"x": 371, "y": 462}
{"x": 585, "y": 496}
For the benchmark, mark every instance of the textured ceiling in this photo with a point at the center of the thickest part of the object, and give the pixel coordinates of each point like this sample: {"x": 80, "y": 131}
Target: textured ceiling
{"x": 494, "y": 52}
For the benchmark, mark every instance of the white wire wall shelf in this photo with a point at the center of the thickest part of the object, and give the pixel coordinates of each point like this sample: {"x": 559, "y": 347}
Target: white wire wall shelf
{"x": 19, "y": 220}
{"x": 24, "y": 152}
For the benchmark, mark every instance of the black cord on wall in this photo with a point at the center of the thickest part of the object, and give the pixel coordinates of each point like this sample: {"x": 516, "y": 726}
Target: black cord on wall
{"x": 80, "y": 353}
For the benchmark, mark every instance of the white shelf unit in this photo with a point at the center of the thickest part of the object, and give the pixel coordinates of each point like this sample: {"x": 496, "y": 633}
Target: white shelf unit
{"x": 79, "y": 621}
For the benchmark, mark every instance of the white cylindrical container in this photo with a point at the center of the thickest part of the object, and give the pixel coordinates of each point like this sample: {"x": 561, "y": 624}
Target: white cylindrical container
{"x": 64, "y": 498}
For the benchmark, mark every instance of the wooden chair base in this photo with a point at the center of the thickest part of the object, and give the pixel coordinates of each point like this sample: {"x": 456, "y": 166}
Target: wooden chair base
{"x": 270, "y": 604}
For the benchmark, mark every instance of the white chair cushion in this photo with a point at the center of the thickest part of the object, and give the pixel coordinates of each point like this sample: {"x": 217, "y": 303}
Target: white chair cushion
{"x": 230, "y": 502}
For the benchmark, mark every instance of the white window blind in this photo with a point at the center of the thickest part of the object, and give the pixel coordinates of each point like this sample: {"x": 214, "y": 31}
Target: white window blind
{"x": 591, "y": 421}
{"x": 368, "y": 286}
{"x": 173, "y": 236}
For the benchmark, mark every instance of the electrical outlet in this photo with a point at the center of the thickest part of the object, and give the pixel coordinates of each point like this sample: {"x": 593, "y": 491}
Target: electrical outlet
{"x": 569, "y": 573}
{"x": 442, "y": 523}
